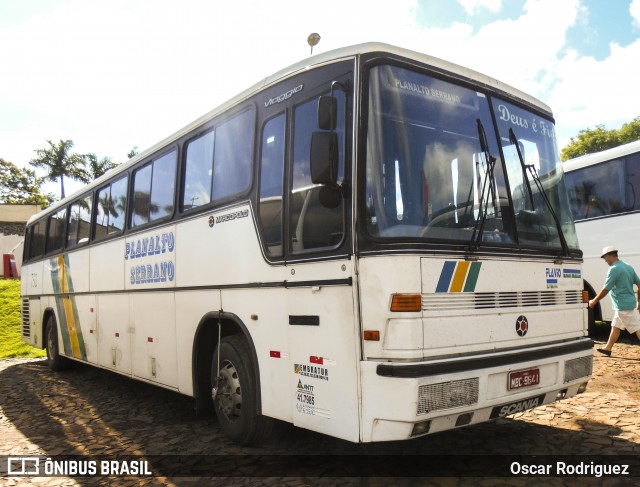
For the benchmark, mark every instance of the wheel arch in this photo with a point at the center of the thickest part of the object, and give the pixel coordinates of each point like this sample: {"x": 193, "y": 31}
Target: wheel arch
{"x": 597, "y": 310}
{"x": 204, "y": 345}
{"x": 48, "y": 312}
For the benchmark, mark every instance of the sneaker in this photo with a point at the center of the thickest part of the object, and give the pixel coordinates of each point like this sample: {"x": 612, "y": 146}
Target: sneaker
{"x": 604, "y": 352}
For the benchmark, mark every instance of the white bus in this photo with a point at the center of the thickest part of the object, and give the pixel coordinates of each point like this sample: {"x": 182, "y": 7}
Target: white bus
{"x": 604, "y": 191}
{"x": 352, "y": 246}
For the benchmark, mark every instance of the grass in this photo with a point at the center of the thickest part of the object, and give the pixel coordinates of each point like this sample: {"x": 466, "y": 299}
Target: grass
{"x": 11, "y": 344}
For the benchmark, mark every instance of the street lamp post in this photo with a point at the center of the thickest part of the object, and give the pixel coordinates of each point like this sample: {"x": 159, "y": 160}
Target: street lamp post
{"x": 313, "y": 40}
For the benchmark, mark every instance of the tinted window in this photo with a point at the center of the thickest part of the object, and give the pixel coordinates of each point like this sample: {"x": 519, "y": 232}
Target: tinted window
{"x": 163, "y": 186}
{"x": 313, "y": 224}
{"x": 55, "y": 235}
{"x": 232, "y": 156}
{"x": 102, "y": 212}
{"x": 38, "y": 233}
{"x": 198, "y": 172}
{"x": 78, "y": 228}
{"x": 271, "y": 183}
{"x": 597, "y": 190}
{"x": 111, "y": 207}
{"x": 153, "y": 190}
{"x": 633, "y": 182}
{"x": 141, "y": 196}
{"x": 118, "y": 205}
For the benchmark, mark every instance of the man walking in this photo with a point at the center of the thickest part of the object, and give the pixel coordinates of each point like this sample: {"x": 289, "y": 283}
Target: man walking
{"x": 620, "y": 280}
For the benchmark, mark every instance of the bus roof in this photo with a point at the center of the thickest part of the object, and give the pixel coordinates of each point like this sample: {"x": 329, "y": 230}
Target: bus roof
{"x": 605, "y": 155}
{"x": 337, "y": 54}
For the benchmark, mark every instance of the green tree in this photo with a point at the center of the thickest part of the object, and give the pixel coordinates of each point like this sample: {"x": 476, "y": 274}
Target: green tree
{"x": 133, "y": 152}
{"x": 96, "y": 168}
{"x": 630, "y": 131}
{"x": 59, "y": 162}
{"x": 590, "y": 140}
{"x": 20, "y": 186}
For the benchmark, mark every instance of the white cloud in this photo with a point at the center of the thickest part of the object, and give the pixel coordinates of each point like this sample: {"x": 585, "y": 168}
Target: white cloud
{"x": 634, "y": 10}
{"x": 470, "y": 6}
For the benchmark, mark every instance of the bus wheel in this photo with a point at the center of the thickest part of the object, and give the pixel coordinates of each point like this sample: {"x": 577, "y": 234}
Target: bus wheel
{"x": 55, "y": 361}
{"x": 235, "y": 401}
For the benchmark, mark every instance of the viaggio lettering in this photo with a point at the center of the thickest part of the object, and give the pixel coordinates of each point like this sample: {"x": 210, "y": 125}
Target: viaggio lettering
{"x": 285, "y": 96}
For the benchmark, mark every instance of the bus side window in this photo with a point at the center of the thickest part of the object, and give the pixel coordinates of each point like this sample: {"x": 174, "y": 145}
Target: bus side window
{"x": 198, "y": 172}
{"x": 55, "y": 235}
{"x": 37, "y": 240}
{"x": 232, "y": 156}
{"x": 153, "y": 190}
{"x": 271, "y": 183}
{"x": 314, "y": 226}
{"x": 117, "y": 206}
{"x": 79, "y": 223}
{"x": 633, "y": 182}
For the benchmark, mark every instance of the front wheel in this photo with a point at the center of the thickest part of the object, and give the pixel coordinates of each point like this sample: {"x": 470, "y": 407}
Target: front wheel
{"x": 55, "y": 361}
{"x": 235, "y": 402}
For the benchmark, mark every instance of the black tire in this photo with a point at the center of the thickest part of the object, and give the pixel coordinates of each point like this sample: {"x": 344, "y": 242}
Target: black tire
{"x": 55, "y": 361}
{"x": 236, "y": 401}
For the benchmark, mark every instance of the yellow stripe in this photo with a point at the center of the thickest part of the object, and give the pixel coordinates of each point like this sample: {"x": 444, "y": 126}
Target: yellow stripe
{"x": 459, "y": 276}
{"x": 62, "y": 275}
{"x": 73, "y": 335}
{"x": 68, "y": 308}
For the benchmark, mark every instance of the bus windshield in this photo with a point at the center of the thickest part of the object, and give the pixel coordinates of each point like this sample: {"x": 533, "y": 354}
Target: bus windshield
{"x": 434, "y": 170}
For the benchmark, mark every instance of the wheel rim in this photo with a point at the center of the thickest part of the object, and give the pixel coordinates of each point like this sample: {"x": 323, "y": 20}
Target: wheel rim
{"x": 229, "y": 396}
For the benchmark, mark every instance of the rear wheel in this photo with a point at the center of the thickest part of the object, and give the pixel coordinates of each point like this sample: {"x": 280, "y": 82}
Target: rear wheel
{"x": 55, "y": 361}
{"x": 235, "y": 402}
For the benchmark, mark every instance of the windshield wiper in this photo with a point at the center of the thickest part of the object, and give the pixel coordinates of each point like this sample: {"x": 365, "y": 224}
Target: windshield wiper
{"x": 536, "y": 179}
{"x": 487, "y": 184}
{"x": 525, "y": 180}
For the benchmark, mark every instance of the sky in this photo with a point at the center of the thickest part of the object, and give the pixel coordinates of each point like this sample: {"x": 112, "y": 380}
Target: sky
{"x": 115, "y": 74}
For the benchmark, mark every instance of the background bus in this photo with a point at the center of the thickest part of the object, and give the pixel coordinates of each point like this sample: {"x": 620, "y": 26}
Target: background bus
{"x": 604, "y": 190}
{"x": 337, "y": 247}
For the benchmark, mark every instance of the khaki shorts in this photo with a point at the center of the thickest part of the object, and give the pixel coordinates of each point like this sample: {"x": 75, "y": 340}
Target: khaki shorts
{"x": 627, "y": 320}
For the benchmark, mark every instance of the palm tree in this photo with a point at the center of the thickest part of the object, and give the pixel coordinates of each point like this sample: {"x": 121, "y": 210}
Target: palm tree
{"x": 59, "y": 162}
{"x": 96, "y": 168}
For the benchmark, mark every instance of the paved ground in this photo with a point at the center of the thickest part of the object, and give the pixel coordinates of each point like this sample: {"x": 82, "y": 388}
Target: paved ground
{"x": 87, "y": 411}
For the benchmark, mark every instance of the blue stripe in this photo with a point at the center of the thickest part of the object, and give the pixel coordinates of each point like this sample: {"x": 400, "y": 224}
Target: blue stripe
{"x": 445, "y": 276}
{"x": 552, "y": 281}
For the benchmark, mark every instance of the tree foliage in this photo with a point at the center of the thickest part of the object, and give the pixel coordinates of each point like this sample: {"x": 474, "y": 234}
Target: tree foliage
{"x": 20, "y": 186}
{"x": 59, "y": 162}
{"x": 590, "y": 140}
{"x": 96, "y": 168}
{"x": 133, "y": 152}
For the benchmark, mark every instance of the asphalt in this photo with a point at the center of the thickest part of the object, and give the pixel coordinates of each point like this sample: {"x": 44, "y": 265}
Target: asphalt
{"x": 94, "y": 413}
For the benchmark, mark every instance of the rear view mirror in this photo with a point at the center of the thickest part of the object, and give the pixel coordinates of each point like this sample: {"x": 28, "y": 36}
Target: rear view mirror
{"x": 324, "y": 158}
{"x": 327, "y": 112}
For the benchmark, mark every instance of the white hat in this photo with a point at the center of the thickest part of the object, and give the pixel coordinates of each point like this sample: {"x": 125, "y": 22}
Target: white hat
{"x": 608, "y": 249}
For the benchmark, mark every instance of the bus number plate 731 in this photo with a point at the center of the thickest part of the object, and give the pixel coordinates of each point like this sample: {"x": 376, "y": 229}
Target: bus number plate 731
{"x": 524, "y": 378}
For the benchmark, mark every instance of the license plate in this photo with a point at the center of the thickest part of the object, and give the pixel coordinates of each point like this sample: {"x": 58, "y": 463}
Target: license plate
{"x": 523, "y": 378}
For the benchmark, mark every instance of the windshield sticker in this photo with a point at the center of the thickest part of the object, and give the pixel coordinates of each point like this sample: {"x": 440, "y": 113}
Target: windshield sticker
{"x": 541, "y": 127}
